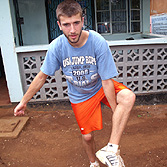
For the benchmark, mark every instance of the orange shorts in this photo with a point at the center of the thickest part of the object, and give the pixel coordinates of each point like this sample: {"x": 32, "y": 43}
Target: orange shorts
{"x": 88, "y": 113}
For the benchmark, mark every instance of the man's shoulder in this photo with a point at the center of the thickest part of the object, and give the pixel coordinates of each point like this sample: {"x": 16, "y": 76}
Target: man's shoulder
{"x": 57, "y": 43}
{"x": 97, "y": 38}
{"x": 96, "y": 35}
{"x": 59, "y": 40}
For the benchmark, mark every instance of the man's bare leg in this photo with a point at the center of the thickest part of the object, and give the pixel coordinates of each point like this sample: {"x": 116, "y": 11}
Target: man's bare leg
{"x": 109, "y": 155}
{"x": 89, "y": 145}
{"x": 125, "y": 101}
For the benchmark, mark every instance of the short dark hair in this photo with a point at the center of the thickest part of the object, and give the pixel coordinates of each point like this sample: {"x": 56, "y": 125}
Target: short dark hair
{"x": 68, "y": 8}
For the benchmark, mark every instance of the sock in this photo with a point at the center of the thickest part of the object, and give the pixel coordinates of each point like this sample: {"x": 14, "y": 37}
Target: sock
{"x": 94, "y": 163}
{"x": 112, "y": 147}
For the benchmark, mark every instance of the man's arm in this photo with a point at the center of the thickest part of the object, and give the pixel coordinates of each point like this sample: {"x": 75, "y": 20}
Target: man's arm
{"x": 35, "y": 86}
{"x": 109, "y": 90}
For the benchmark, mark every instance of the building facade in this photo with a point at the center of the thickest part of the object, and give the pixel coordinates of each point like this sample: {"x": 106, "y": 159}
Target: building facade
{"x": 28, "y": 26}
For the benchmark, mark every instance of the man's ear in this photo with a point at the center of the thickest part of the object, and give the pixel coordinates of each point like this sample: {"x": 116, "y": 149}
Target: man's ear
{"x": 59, "y": 24}
{"x": 82, "y": 21}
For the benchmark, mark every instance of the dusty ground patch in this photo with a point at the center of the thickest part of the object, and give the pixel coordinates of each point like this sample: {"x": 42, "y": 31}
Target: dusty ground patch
{"x": 51, "y": 138}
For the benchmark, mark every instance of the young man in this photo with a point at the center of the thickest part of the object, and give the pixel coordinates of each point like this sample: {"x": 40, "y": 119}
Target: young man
{"x": 86, "y": 60}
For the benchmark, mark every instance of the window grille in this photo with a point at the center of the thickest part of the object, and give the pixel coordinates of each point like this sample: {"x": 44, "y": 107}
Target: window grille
{"x": 118, "y": 16}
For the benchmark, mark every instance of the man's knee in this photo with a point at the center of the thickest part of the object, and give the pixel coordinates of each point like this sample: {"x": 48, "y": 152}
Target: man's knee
{"x": 87, "y": 137}
{"x": 126, "y": 97}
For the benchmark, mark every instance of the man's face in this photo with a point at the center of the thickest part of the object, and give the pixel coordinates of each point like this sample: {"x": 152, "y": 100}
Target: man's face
{"x": 71, "y": 27}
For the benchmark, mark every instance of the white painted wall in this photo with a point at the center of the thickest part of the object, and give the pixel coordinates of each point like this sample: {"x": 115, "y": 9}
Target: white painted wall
{"x": 8, "y": 53}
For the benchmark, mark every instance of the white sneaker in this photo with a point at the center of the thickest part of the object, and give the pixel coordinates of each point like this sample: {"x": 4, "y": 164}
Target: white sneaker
{"x": 110, "y": 158}
{"x": 95, "y": 164}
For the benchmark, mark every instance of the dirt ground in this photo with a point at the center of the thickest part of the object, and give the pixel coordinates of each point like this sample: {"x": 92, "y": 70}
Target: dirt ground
{"x": 51, "y": 138}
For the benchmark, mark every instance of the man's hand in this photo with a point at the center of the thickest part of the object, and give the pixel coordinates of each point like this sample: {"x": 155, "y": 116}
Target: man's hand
{"x": 34, "y": 87}
{"x": 20, "y": 109}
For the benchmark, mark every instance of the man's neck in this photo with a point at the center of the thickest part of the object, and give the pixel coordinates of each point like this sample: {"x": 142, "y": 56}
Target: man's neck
{"x": 83, "y": 39}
